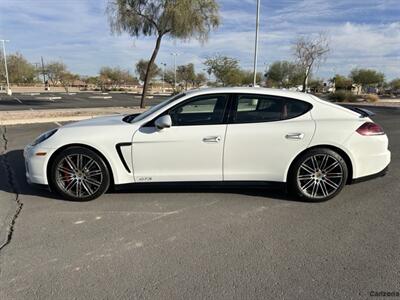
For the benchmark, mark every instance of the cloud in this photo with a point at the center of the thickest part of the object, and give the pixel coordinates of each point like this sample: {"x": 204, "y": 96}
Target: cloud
{"x": 363, "y": 33}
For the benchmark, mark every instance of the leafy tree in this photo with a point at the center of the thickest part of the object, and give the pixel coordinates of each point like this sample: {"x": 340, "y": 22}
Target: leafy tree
{"x": 92, "y": 80}
{"x": 58, "y": 73}
{"x": 279, "y": 72}
{"x": 225, "y": 69}
{"x": 200, "y": 79}
{"x": 284, "y": 74}
{"x": 310, "y": 52}
{"x": 67, "y": 79}
{"x": 247, "y": 77}
{"x": 180, "y": 19}
{"x": 316, "y": 85}
{"x": 54, "y": 71}
{"x": 142, "y": 69}
{"x": 395, "y": 84}
{"x": 169, "y": 77}
{"x": 342, "y": 82}
{"x": 20, "y": 71}
{"x": 296, "y": 77}
{"x": 115, "y": 77}
{"x": 367, "y": 77}
{"x": 108, "y": 77}
{"x": 185, "y": 74}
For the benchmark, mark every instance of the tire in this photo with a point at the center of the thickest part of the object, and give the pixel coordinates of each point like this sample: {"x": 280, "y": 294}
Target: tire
{"x": 79, "y": 174}
{"x": 318, "y": 175}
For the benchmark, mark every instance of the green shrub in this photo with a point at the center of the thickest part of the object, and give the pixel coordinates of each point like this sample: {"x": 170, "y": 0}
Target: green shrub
{"x": 342, "y": 96}
{"x": 372, "y": 98}
{"x": 339, "y": 96}
{"x": 350, "y": 97}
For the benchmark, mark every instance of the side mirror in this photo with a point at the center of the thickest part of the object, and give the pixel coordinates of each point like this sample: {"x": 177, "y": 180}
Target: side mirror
{"x": 163, "y": 122}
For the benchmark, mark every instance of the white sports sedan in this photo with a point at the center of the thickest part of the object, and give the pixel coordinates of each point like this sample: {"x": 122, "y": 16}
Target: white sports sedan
{"x": 215, "y": 135}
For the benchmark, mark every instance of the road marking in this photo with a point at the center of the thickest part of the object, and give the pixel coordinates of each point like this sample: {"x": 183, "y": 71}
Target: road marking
{"x": 100, "y": 97}
{"x": 18, "y": 100}
{"x": 58, "y": 124}
{"x": 31, "y": 94}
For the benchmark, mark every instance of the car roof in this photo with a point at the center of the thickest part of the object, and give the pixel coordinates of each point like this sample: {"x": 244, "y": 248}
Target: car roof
{"x": 268, "y": 91}
{"x": 251, "y": 90}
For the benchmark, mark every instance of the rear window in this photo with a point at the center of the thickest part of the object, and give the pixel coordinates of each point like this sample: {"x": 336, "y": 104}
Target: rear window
{"x": 295, "y": 108}
{"x": 264, "y": 108}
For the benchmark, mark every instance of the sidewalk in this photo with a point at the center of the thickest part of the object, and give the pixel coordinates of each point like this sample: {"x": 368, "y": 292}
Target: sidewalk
{"x": 61, "y": 115}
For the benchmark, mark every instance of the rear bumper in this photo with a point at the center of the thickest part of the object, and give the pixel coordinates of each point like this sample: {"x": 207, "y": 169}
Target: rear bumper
{"x": 369, "y": 154}
{"x": 371, "y": 164}
{"x": 372, "y": 176}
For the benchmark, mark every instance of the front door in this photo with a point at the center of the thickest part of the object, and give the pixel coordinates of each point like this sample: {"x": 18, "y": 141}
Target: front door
{"x": 190, "y": 150}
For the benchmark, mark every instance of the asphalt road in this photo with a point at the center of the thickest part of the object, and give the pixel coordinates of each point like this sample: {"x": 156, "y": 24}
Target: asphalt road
{"x": 79, "y": 100}
{"x": 199, "y": 243}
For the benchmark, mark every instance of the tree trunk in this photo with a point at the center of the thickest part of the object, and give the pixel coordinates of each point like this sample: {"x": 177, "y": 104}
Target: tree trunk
{"x": 150, "y": 64}
{"x": 304, "y": 84}
{"x": 305, "y": 80}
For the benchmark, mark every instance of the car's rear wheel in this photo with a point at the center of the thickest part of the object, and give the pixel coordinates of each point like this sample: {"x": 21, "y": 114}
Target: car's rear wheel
{"x": 79, "y": 174}
{"x": 318, "y": 175}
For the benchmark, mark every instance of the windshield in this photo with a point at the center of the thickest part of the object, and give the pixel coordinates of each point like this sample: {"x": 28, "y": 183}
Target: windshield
{"x": 157, "y": 107}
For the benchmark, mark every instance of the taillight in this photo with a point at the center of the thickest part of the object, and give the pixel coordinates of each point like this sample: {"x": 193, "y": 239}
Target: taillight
{"x": 369, "y": 128}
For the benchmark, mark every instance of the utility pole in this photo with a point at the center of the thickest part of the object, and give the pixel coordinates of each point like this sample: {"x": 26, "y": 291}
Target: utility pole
{"x": 174, "y": 54}
{"x": 37, "y": 70}
{"x": 43, "y": 72}
{"x": 9, "y": 92}
{"x": 256, "y": 43}
{"x": 163, "y": 76}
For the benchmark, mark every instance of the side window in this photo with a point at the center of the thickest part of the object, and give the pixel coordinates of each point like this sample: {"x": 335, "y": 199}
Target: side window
{"x": 258, "y": 108}
{"x": 264, "y": 108}
{"x": 203, "y": 110}
{"x": 295, "y": 108}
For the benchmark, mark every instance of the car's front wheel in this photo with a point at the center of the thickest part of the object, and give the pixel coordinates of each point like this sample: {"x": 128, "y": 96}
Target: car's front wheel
{"x": 79, "y": 174}
{"x": 318, "y": 175}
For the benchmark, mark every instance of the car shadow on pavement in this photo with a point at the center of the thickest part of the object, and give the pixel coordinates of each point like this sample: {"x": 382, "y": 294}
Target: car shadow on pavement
{"x": 16, "y": 165}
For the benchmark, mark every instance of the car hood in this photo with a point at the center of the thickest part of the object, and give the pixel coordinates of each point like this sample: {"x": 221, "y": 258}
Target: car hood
{"x": 98, "y": 121}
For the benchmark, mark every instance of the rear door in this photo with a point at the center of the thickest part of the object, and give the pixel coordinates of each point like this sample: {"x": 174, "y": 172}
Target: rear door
{"x": 264, "y": 134}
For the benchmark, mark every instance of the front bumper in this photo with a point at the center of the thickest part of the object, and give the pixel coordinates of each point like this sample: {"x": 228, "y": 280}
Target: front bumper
{"x": 35, "y": 165}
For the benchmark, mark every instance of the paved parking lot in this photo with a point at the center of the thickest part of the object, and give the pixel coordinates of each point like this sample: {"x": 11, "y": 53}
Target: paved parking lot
{"x": 197, "y": 243}
{"x": 75, "y": 100}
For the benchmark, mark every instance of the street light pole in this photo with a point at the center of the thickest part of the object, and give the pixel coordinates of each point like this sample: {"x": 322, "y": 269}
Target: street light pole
{"x": 44, "y": 73}
{"x": 256, "y": 43}
{"x": 5, "y": 66}
{"x": 163, "y": 76}
{"x": 174, "y": 54}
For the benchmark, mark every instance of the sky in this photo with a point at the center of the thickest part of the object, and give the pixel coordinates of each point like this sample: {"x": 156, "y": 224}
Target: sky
{"x": 362, "y": 34}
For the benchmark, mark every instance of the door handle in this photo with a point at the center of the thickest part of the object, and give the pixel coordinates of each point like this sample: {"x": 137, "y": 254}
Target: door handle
{"x": 212, "y": 139}
{"x": 295, "y": 136}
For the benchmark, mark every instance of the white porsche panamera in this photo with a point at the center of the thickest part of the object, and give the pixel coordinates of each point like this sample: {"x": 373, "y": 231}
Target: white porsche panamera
{"x": 218, "y": 135}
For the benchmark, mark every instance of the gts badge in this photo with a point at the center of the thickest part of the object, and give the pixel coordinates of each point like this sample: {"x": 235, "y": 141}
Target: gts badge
{"x": 145, "y": 179}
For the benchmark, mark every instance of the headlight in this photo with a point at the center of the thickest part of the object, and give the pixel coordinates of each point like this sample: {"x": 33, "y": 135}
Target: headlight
{"x": 41, "y": 138}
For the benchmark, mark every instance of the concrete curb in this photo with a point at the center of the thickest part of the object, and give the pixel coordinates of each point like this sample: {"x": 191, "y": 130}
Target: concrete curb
{"x": 61, "y": 115}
